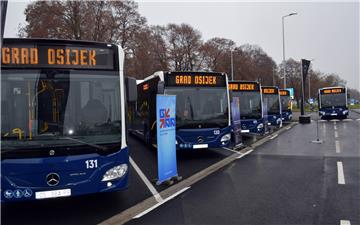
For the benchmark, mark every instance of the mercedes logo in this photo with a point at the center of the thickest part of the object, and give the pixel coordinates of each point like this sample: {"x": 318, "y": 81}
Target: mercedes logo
{"x": 52, "y": 152}
{"x": 52, "y": 179}
{"x": 200, "y": 139}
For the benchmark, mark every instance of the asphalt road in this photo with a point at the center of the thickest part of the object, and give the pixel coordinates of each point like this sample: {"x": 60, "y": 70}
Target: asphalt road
{"x": 288, "y": 180}
{"x": 93, "y": 209}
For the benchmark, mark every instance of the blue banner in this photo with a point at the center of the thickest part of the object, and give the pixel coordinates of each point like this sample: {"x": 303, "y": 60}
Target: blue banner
{"x": 235, "y": 117}
{"x": 166, "y": 147}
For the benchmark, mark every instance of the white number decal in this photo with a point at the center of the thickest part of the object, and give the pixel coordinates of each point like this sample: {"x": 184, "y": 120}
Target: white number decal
{"x": 91, "y": 164}
{"x": 216, "y": 132}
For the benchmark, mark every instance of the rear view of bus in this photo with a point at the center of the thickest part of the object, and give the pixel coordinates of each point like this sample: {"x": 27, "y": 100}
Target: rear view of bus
{"x": 202, "y": 108}
{"x": 272, "y": 106}
{"x": 286, "y": 105}
{"x": 251, "y": 110}
{"x": 62, "y": 119}
{"x": 333, "y": 103}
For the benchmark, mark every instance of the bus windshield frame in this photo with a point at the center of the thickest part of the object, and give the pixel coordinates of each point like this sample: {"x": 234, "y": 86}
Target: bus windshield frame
{"x": 196, "y": 107}
{"x": 42, "y": 108}
{"x": 250, "y": 104}
{"x": 333, "y": 100}
{"x": 273, "y": 103}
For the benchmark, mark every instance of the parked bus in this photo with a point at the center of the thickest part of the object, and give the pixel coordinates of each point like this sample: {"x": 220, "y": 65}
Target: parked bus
{"x": 62, "y": 119}
{"x": 251, "y": 110}
{"x": 202, "y": 108}
{"x": 286, "y": 105}
{"x": 272, "y": 106}
{"x": 333, "y": 103}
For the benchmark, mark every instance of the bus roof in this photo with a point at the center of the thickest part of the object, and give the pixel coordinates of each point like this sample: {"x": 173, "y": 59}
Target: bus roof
{"x": 161, "y": 74}
{"x": 323, "y": 88}
{"x": 57, "y": 41}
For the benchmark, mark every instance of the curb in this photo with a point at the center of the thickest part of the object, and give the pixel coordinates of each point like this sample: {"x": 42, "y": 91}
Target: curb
{"x": 354, "y": 111}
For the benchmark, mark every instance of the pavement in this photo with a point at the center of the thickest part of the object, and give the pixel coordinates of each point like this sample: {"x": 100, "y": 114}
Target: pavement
{"x": 287, "y": 180}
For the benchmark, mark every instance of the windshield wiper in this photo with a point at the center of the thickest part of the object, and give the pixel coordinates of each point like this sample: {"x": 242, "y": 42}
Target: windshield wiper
{"x": 86, "y": 143}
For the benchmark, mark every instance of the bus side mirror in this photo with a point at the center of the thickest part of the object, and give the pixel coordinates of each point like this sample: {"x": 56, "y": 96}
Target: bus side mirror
{"x": 160, "y": 87}
{"x": 131, "y": 89}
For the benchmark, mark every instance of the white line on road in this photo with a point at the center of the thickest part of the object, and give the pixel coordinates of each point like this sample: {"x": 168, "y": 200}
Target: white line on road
{"x": 345, "y": 222}
{"x": 288, "y": 128}
{"x": 229, "y": 149}
{"x": 337, "y": 146}
{"x": 340, "y": 169}
{"x": 336, "y": 134}
{"x": 335, "y": 127}
{"x": 246, "y": 153}
{"x": 273, "y": 136}
{"x": 348, "y": 120}
{"x": 146, "y": 181}
{"x": 358, "y": 119}
{"x": 160, "y": 203}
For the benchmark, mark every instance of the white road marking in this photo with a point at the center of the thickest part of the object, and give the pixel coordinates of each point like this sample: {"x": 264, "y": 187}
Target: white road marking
{"x": 288, "y": 128}
{"x": 335, "y": 127}
{"x": 273, "y": 136}
{"x": 345, "y": 222}
{"x": 348, "y": 120}
{"x": 358, "y": 119}
{"x": 335, "y": 120}
{"x": 146, "y": 181}
{"x": 337, "y": 146}
{"x": 336, "y": 134}
{"x": 340, "y": 169}
{"x": 322, "y": 121}
{"x": 229, "y": 149}
{"x": 246, "y": 153}
{"x": 160, "y": 203}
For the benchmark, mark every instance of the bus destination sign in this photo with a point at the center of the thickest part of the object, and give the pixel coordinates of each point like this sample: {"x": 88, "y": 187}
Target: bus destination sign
{"x": 195, "y": 80}
{"x": 333, "y": 91}
{"x": 41, "y": 56}
{"x": 269, "y": 90}
{"x": 284, "y": 93}
{"x": 237, "y": 86}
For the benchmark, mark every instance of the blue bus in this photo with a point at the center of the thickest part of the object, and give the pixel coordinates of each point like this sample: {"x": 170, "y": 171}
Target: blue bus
{"x": 271, "y": 103}
{"x": 202, "y": 108}
{"x": 333, "y": 103}
{"x": 251, "y": 110}
{"x": 286, "y": 105}
{"x": 62, "y": 119}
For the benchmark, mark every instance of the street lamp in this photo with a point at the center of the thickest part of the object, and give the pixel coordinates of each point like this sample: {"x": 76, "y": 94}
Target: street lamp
{"x": 283, "y": 35}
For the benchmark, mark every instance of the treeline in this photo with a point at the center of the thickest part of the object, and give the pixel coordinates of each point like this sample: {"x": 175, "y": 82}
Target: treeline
{"x": 171, "y": 47}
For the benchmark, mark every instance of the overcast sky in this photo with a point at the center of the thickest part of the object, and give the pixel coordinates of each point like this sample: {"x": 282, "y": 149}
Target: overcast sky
{"x": 327, "y": 32}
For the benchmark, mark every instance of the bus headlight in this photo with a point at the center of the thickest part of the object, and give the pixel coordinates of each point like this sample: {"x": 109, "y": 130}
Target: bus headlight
{"x": 226, "y": 137}
{"x": 260, "y": 126}
{"x": 278, "y": 121}
{"x": 345, "y": 112}
{"x": 176, "y": 142}
{"x": 321, "y": 112}
{"x": 115, "y": 172}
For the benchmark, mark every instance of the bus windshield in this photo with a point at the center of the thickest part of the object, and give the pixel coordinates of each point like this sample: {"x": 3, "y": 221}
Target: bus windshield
{"x": 200, "y": 107}
{"x": 285, "y": 103}
{"x": 329, "y": 100}
{"x": 250, "y": 104}
{"x": 49, "y": 107}
{"x": 272, "y": 102}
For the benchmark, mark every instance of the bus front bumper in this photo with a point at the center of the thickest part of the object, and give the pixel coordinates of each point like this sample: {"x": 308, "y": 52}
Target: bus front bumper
{"x": 53, "y": 177}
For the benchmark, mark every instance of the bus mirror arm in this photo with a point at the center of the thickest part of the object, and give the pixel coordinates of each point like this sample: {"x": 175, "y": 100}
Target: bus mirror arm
{"x": 131, "y": 90}
{"x": 160, "y": 87}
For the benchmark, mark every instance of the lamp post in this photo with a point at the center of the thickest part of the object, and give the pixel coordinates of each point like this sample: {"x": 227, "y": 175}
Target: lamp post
{"x": 232, "y": 65}
{"x": 283, "y": 36}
